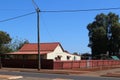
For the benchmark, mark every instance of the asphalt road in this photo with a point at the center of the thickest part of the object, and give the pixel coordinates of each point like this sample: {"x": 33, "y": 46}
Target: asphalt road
{"x": 44, "y": 76}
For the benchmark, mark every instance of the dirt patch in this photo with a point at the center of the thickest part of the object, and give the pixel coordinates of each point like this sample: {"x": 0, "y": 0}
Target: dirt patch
{"x": 96, "y": 68}
{"x": 10, "y": 77}
{"x": 112, "y": 75}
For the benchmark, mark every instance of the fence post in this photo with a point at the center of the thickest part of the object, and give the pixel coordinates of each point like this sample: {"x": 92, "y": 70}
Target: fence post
{"x": 88, "y": 63}
{"x": 79, "y": 63}
{"x": 72, "y": 65}
{"x": 97, "y": 64}
{"x": 101, "y": 64}
{"x": 62, "y": 64}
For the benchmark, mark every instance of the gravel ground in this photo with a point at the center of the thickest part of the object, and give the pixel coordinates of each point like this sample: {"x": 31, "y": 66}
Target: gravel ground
{"x": 33, "y": 78}
{"x": 29, "y": 78}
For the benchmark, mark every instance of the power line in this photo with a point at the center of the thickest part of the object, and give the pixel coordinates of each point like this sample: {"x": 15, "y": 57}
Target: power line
{"x": 84, "y": 10}
{"x": 17, "y": 17}
{"x": 14, "y": 9}
{"x": 60, "y": 11}
{"x": 47, "y": 30}
{"x": 99, "y": 9}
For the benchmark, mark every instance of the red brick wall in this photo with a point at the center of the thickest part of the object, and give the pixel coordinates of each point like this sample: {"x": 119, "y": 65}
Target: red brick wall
{"x": 84, "y": 64}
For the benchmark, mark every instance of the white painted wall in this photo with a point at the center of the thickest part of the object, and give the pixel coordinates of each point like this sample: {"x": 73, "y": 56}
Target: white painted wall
{"x": 59, "y": 52}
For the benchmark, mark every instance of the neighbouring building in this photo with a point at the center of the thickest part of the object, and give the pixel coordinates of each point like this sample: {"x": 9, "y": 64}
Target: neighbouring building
{"x": 52, "y": 51}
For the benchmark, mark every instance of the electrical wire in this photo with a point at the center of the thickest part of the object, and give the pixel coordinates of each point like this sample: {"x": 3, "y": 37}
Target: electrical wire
{"x": 17, "y": 17}
{"x": 59, "y": 11}
{"x": 47, "y": 30}
{"x": 14, "y": 9}
{"x": 81, "y": 10}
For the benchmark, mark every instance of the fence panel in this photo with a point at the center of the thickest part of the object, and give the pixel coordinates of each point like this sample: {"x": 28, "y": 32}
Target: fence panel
{"x": 58, "y": 65}
{"x": 83, "y": 63}
{"x": 76, "y": 64}
{"x": 67, "y": 65}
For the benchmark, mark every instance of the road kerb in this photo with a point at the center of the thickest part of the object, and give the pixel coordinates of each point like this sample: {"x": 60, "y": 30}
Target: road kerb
{"x": 10, "y": 77}
{"x": 62, "y": 79}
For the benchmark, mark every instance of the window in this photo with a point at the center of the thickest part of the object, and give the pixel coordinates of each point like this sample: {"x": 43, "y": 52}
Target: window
{"x": 58, "y": 57}
{"x": 68, "y": 57}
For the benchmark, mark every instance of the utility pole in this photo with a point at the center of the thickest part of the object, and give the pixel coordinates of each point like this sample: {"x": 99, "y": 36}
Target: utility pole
{"x": 38, "y": 33}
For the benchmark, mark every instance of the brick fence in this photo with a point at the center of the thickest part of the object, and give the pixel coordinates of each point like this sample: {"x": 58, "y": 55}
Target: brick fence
{"x": 50, "y": 64}
{"x": 84, "y": 64}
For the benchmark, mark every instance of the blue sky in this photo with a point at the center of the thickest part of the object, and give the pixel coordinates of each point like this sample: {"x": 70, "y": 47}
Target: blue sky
{"x": 67, "y": 28}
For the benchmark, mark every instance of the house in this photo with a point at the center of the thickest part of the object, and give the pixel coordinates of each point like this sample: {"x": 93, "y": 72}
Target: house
{"x": 52, "y": 51}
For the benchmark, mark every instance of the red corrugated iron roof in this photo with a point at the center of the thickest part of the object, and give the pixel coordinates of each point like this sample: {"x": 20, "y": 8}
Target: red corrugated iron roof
{"x": 43, "y": 47}
{"x": 32, "y": 48}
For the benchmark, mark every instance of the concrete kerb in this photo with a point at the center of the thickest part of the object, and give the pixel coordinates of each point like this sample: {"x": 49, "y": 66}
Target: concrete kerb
{"x": 10, "y": 77}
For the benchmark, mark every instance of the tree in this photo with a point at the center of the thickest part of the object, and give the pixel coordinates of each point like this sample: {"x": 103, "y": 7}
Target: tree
{"x": 75, "y": 53}
{"x": 104, "y": 34}
{"x": 16, "y": 44}
{"x": 4, "y": 40}
{"x": 85, "y": 56}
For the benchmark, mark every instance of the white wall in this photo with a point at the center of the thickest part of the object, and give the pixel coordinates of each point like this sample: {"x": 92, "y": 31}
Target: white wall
{"x": 59, "y": 52}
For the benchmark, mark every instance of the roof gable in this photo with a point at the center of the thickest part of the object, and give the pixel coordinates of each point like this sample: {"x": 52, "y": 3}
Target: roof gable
{"x": 43, "y": 47}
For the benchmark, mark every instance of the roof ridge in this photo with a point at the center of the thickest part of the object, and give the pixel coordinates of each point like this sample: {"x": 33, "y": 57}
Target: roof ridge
{"x": 45, "y": 43}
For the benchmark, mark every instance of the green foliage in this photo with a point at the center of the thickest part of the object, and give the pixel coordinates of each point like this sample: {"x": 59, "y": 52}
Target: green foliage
{"x": 85, "y": 56}
{"x": 4, "y": 40}
{"x": 104, "y": 34}
{"x": 6, "y": 45}
{"x": 75, "y": 53}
